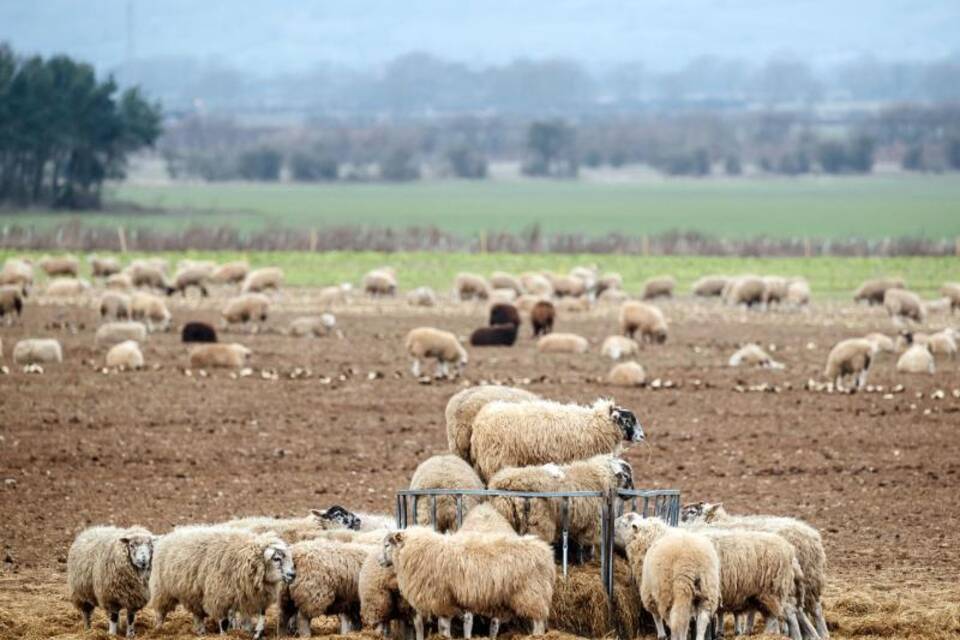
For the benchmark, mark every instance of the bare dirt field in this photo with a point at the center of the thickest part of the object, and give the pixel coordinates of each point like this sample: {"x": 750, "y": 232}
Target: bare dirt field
{"x": 341, "y": 420}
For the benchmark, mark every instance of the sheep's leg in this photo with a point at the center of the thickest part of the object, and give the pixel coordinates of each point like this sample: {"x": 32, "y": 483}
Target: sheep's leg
{"x": 382, "y": 630}
{"x": 703, "y": 623}
{"x": 418, "y": 625}
{"x": 773, "y": 626}
{"x": 131, "y": 623}
{"x": 739, "y": 623}
{"x": 807, "y": 630}
{"x": 793, "y": 626}
{"x": 494, "y": 628}
{"x": 661, "y": 631}
{"x": 303, "y": 625}
{"x": 751, "y": 616}
{"x": 198, "y": 627}
{"x": 443, "y": 626}
{"x": 114, "y": 620}
{"x": 224, "y": 625}
{"x": 85, "y": 610}
{"x": 258, "y": 629}
{"x": 467, "y": 624}
{"x": 820, "y": 622}
{"x": 346, "y": 625}
{"x": 539, "y": 627}
{"x": 415, "y": 368}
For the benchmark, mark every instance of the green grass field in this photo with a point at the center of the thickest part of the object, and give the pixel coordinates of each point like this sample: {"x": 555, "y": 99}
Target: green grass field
{"x": 838, "y": 207}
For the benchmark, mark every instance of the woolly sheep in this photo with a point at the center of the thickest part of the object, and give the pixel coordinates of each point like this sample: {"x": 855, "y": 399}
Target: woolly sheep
{"x": 645, "y": 318}
{"x": 17, "y": 273}
{"x": 709, "y": 286}
{"x": 190, "y": 276}
{"x": 37, "y": 351}
{"x": 517, "y": 434}
{"x": 569, "y": 286}
{"x": 470, "y": 285}
{"x": 313, "y": 326}
{"x": 850, "y": 357}
{"x": 536, "y": 284}
{"x": 375, "y": 521}
{"x": 745, "y": 290}
{"x": 108, "y": 567}
{"x": 198, "y": 332}
{"x": 904, "y": 305}
{"x": 940, "y": 343}
{"x": 444, "y": 472}
{"x": 873, "y": 291}
{"x": 484, "y": 518}
{"x": 627, "y": 374}
{"x": 151, "y": 309}
{"x": 119, "y": 282}
{"x": 260, "y": 280}
{"x": 502, "y": 313}
{"x": 562, "y": 343}
{"x": 231, "y": 356}
{"x": 464, "y": 406}
{"x": 916, "y": 359}
{"x": 615, "y": 347}
{"x": 246, "y": 307}
{"x": 482, "y": 573}
{"x": 659, "y": 287}
{"x": 774, "y": 289}
{"x": 102, "y": 267}
{"x": 541, "y": 317}
{"x": 380, "y": 282}
{"x": 422, "y": 297}
{"x": 215, "y": 571}
{"x": 115, "y": 305}
{"x": 113, "y": 333}
{"x": 609, "y": 282}
{"x": 307, "y": 527}
{"x": 380, "y": 599}
{"x": 882, "y": 341}
{"x": 125, "y": 355}
{"x": 499, "y": 335}
{"x": 427, "y": 342}
{"x": 146, "y": 274}
{"x": 951, "y": 291}
{"x": 60, "y": 266}
{"x": 11, "y": 301}
{"x": 66, "y": 287}
{"x": 677, "y": 572}
{"x": 753, "y": 355}
{"x": 613, "y": 296}
{"x": 503, "y": 280}
{"x": 231, "y": 272}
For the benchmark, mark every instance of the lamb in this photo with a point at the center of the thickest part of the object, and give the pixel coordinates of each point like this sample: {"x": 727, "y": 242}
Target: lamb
{"x": 260, "y": 280}
{"x": 916, "y": 359}
{"x": 615, "y": 347}
{"x": 627, "y": 374}
{"x": 380, "y": 282}
{"x": 499, "y": 335}
{"x": 109, "y": 567}
{"x": 293, "y": 530}
{"x": 904, "y": 305}
{"x": 470, "y": 285}
{"x": 645, "y": 318}
{"x": 422, "y": 297}
{"x": 427, "y": 342}
{"x": 798, "y": 292}
{"x": 504, "y": 314}
{"x": 541, "y": 317}
{"x": 60, "y": 266}
{"x": 380, "y": 599}
{"x": 119, "y": 282}
{"x": 481, "y": 573}
{"x": 444, "y": 472}
{"x": 66, "y": 287}
{"x": 882, "y": 341}
{"x": 753, "y": 355}
{"x": 464, "y": 406}
{"x": 873, "y": 291}
{"x": 11, "y": 301}
{"x": 536, "y": 284}
{"x": 313, "y": 326}
{"x": 677, "y": 571}
{"x": 125, "y": 355}
{"x": 562, "y": 343}
{"x": 116, "y": 305}
{"x": 246, "y": 307}
{"x": 659, "y": 287}
{"x": 951, "y": 291}
{"x": 231, "y": 272}
{"x": 746, "y": 290}
{"x": 151, "y": 309}
{"x": 230, "y": 356}
{"x": 143, "y": 273}
{"x": 37, "y": 351}
{"x": 517, "y": 434}
{"x": 190, "y": 276}
{"x": 709, "y": 286}
{"x": 502, "y": 280}
{"x": 103, "y": 267}
{"x": 198, "y": 332}
{"x": 850, "y": 357}
{"x": 215, "y": 571}
{"x": 113, "y": 333}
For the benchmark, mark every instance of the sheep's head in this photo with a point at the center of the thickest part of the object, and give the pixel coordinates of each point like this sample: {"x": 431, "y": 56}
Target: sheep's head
{"x": 554, "y": 471}
{"x": 701, "y": 512}
{"x": 139, "y": 550}
{"x": 631, "y": 526}
{"x": 279, "y": 563}
{"x": 659, "y": 335}
{"x": 623, "y": 418}
{"x": 622, "y": 473}
{"x": 338, "y": 516}
{"x": 391, "y": 543}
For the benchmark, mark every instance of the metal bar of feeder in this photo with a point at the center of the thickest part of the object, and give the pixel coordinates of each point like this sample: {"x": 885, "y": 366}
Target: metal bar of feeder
{"x": 433, "y": 512}
{"x": 565, "y": 520}
{"x": 459, "y": 512}
{"x": 416, "y": 509}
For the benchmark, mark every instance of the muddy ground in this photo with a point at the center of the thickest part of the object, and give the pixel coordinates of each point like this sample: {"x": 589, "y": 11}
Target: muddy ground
{"x": 878, "y": 474}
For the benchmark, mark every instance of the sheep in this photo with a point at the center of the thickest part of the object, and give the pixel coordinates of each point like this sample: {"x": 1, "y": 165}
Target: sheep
{"x": 231, "y": 272}
{"x": 951, "y": 291}
{"x": 504, "y": 314}
{"x": 873, "y": 291}
{"x": 17, "y": 272}
{"x": 109, "y": 567}
{"x": 562, "y": 343}
{"x": 260, "y": 280}
{"x": 541, "y": 318}
{"x": 103, "y": 267}
{"x": 468, "y": 286}
{"x": 313, "y": 326}
{"x": 481, "y": 573}
{"x": 575, "y": 305}
{"x": 422, "y": 297}
{"x": 151, "y": 309}
{"x": 215, "y": 571}
{"x": 677, "y": 572}
{"x": 609, "y": 282}
{"x": 503, "y": 280}
{"x": 569, "y": 286}
{"x": 904, "y": 305}
{"x": 125, "y": 355}
{"x": 119, "y": 282}
{"x": 11, "y": 301}
{"x": 484, "y": 518}
{"x": 66, "y": 287}
{"x": 115, "y": 305}
{"x": 745, "y": 290}
{"x": 113, "y": 333}
{"x": 230, "y": 356}
{"x": 143, "y": 273}
{"x": 380, "y": 599}
{"x": 446, "y": 471}
{"x": 940, "y": 343}
{"x": 615, "y": 347}
{"x": 536, "y": 284}
{"x": 463, "y": 407}
{"x": 198, "y": 332}
{"x": 37, "y": 351}
{"x": 308, "y": 527}
{"x": 798, "y": 292}
{"x": 709, "y": 286}
{"x": 627, "y": 374}
{"x": 882, "y": 341}
{"x": 190, "y": 276}
{"x": 246, "y": 307}
{"x": 60, "y": 266}
{"x": 753, "y": 355}
{"x": 499, "y": 335}
{"x": 380, "y": 282}
{"x": 375, "y": 521}
{"x": 427, "y": 342}
{"x": 588, "y": 275}
{"x": 517, "y": 434}
{"x": 851, "y": 357}
{"x": 613, "y": 296}
{"x": 645, "y": 318}
{"x": 774, "y": 290}
{"x": 916, "y": 359}
{"x": 659, "y": 287}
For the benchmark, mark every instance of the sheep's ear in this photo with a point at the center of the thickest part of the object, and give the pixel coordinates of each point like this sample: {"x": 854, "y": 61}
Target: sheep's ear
{"x": 396, "y": 538}
{"x": 125, "y": 541}
{"x": 712, "y": 509}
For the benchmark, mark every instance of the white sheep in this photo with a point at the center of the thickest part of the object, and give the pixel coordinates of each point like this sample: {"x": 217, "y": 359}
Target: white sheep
{"x": 798, "y": 292}
{"x": 262, "y": 279}
{"x": 503, "y": 280}
{"x": 380, "y": 599}
{"x": 313, "y": 525}
{"x": 616, "y": 347}
{"x": 569, "y": 286}
{"x": 709, "y": 286}
{"x": 37, "y": 351}
{"x": 536, "y": 284}
{"x": 916, "y": 359}
{"x": 443, "y": 472}
{"x": 745, "y": 290}
{"x": 151, "y": 309}
{"x": 103, "y": 266}
{"x": 882, "y": 341}
{"x": 119, "y": 282}
{"x": 422, "y": 297}
{"x": 67, "y": 287}
{"x": 903, "y": 305}
{"x": 125, "y": 355}
{"x": 60, "y": 265}
{"x": 146, "y": 273}
{"x": 627, "y": 374}
{"x": 562, "y": 343}
{"x": 659, "y": 287}
{"x": 774, "y": 289}
{"x": 191, "y": 275}
{"x": 427, "y": 342}
{"x": 230, "y": 356}
{"x": 468, "y": 286}
{"x": 231, "y": 272}
{"x": 115, "y": 305}
{"x": 380, "y": 282}
{"x": 313, "y": 326}
{"x": 873, "y": 291}
{"x": 112, "y": 333}
{"x": 463, "y": 407}
{"x": 851, "y": 357}
{"x": 245, "y": 308}
{"x": 645, "y": 318}
{"x": 18, "y": 273}
{"x": 108, "y": 567}
{"x": 753, "y": 355}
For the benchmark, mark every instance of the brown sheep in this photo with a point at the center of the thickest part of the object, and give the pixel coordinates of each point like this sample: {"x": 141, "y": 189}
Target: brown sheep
{"x": 541, "y": 317}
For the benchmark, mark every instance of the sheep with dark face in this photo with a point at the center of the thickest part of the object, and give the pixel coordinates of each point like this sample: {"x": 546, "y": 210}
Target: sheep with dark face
{"x": 198, "y": 332}
{"x": 504, "y": 314}
{"x": 850, "y": 357}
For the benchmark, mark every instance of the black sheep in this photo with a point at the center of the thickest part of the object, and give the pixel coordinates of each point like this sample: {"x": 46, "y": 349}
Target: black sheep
{"x": 198, "y": 332}
{"x": 503, "y": 313}
{"x": 499, "y": 335}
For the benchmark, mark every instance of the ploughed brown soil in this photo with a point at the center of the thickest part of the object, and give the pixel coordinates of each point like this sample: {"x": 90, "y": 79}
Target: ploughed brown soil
{"x": 341, "y": 420}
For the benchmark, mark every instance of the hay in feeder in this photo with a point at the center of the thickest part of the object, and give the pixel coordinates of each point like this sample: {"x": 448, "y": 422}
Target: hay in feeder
{"x": 580, "y": 602}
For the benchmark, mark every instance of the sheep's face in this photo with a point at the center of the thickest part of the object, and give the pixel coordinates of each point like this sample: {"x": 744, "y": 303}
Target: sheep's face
{"x": 622, "y": 473}
{"x": 625, "y": 528}
{"x": 391, "y": 543}
{"x": 338, "y": 516}
{"x": 632, "y": 431}
{"x": 279, "y": 563}
{"x": 659, "y": 336}
{"x": 139, "y": 551}
{"x": 700, "y": 512}
{"x": 554, "y": 470}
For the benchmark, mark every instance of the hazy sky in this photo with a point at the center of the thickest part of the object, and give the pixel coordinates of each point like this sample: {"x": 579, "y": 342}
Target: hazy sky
{"x": 284, "y": 35}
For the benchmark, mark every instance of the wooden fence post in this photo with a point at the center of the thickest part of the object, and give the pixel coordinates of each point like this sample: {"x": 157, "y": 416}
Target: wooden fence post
{"x": 121, "y": 234}
{"x": 645, "y": 245}
{"x": 313, "y": 240}
{"x": 807, "y": 250}
{"x": 956, "y": 248}
{"x": 483, "y": 242}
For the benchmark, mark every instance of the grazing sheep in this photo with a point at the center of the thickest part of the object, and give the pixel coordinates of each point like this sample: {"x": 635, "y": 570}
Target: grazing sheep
{"x": 873, "y": 291}
{"x": 645, "y": 318}
{"x": 444, "y": 472}
{"x": 230, "y": 356}
{"x": 574, "y": 305}
{"x": 60, "y": 266}
{"x": 774, "y": 289}
{"x": 616, "y": 347}
{"x": 678, "y": 573}
{"x": 504, "y": 314}
{"x": 613, "y": 296}
{"x": 119, "y": 282}
{"x": 503, "y": 280}
{"x": 115, "y": 305}
{"x": 505, "y": 296}
{"x": 246, "y": 307}
{"x": 753, "y": 355}
{"x": 951, "y": 291}
{"x": 709, "y": 286}
{"x": 851, "y": 357}
{"x": 588, "y": 275}
{"x": 231, "y": 272}
{"x": 463, "y": 407}
{"x": 798, "y": 292}
{"x": 37, "y": 351}
{"x": 215, "y": 571}
{"x": 609, "y": 282}
{"x": 150, "y": 309}
{"x": 536, "y": 284}
{"x": 11, "y": 301}
{"x": 562, "y": 343}
{"x": 113, "y": 333}
{"x": 198, "y": 332}
{"x": 659, "y": 287}
{"x": 103, "y": 267}
{"x": 380, "y": 282}
{"x": 882, "y": 341}
{"x": 313, "y": 326}
{"x": 940, "y": 343}
{"x": 627, "y": 374}
{"x": 422, "y": 297}
{"x": 108, "y": 567}
{"x": 308, "y": 527}
{"x": 484, "y": 518}
{"x": 916, "y": 359}
{"x": 541, "y": 317}
{"x": 904, "y": 305}
{"x": 569, "y": 286}
{"x": 17, "y": 273}
{"x": 746, "y": 290}
{"x": 380, "y": 599}
{"x": 518, "y": 434}
{"x": 481, "y": 573}
{"x": 67, "y": 287}
{"x": 190, "y": 276}
{"x": 125, "y": 355}
{"x": 427, "y": 342}
{"x": 469, "y": 286}
{"x": 143, "y": 273}
{"x": 260, "y": 280}
{"x": 500, "y": 335}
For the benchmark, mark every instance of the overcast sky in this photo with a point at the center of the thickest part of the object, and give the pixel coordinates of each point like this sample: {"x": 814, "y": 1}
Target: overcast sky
{"x": 288, "y": 35}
